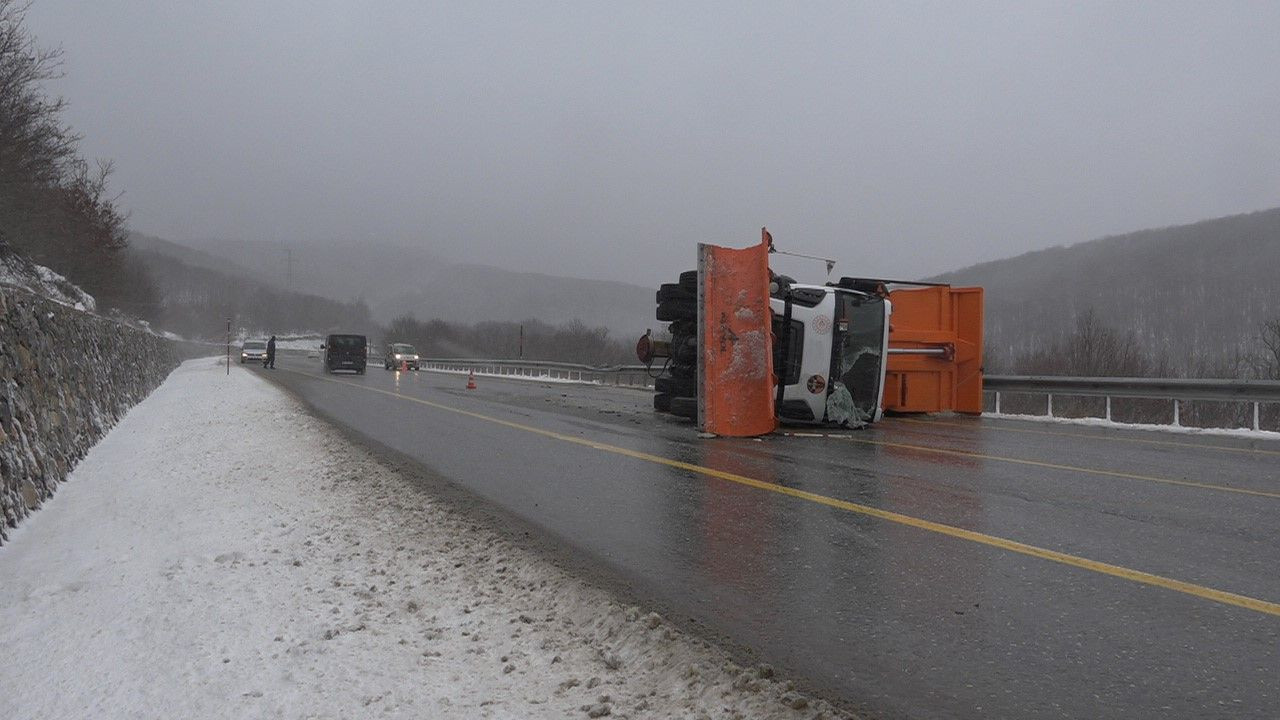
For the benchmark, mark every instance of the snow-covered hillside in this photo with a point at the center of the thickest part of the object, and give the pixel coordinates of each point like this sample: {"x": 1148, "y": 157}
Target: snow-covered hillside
{"x": 19, "y": 272}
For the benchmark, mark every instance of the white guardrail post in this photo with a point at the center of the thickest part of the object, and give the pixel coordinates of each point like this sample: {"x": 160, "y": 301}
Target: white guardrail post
{"x": 1175, "y": 390}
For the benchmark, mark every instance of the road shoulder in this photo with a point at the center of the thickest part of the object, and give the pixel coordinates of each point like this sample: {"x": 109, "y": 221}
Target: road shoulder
{"x": 223, "y": 553}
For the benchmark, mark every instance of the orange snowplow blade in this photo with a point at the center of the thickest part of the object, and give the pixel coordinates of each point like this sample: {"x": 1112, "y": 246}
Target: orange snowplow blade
{"x": 735, "y": 368}
{"x": 947, "y": 322}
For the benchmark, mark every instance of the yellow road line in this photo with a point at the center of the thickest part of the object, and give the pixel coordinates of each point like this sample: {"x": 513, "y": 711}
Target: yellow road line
{"x": 1056, "y": 466}
{"x": 1200, "y": 591}
{"x": 1091, "y": 436}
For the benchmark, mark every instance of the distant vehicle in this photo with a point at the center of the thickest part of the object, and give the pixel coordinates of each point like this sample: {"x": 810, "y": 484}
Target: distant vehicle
{"x": 253, "y": 351}
{"x": 345, "y": 352}
{"x": 400, "y": 353}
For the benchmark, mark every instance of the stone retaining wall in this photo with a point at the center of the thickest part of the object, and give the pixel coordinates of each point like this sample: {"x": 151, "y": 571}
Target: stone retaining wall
{"x": 66, "y": 377}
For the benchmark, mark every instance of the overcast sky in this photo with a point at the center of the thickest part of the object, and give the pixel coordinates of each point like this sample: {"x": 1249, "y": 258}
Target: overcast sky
{"x": 604, "y": 139}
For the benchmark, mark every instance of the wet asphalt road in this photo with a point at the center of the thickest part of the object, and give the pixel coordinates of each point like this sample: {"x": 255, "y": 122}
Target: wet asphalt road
{"x": 895, "y": 619}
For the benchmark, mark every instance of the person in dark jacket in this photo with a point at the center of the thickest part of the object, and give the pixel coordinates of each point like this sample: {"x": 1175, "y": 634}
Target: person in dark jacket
{"x": 270, "y": 360}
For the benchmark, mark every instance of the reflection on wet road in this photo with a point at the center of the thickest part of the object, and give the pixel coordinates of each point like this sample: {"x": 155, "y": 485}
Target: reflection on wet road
{"x": 931, "y": 568}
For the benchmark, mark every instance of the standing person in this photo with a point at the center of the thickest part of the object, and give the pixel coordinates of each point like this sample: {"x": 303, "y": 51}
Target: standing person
{"x": 271, "y": 354}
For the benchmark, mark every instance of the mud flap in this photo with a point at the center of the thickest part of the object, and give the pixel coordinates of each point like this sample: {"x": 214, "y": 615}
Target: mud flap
{"x": 945, "y": 319}
{"x": 735, "y": 358}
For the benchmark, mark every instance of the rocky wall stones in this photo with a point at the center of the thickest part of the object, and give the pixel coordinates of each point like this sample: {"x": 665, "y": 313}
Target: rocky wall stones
{"x": 66, "y": 377}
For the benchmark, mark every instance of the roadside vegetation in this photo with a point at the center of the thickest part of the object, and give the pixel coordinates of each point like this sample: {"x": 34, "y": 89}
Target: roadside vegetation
{"x": 56, "y": 206}
{"x": 1097, "y": 349}
{"x": 57, "y": 209}
{"x": 573, "y": 341}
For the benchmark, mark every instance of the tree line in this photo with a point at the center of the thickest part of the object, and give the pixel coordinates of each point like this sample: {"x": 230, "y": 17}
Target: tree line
{"x": 193, "y": 302}
{"x": 573, "y": 341}
{"x": 56, "y": 207}
{"x": 1095, "y": 348}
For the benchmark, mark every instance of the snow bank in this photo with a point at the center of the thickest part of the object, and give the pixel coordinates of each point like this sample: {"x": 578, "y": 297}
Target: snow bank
{"x": 19, "y": 272}
{"x": 1180, "y": 429}
{"x": 223, "y": 554}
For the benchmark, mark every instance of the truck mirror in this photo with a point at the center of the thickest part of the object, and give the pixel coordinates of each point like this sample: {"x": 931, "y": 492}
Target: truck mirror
{"x": 321, "y": 346}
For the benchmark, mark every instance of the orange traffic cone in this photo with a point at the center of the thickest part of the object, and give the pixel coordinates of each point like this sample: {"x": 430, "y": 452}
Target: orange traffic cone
{"x": 471, "y": 380}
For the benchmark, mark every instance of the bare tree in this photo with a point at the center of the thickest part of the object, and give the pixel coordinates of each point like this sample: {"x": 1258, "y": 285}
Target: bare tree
{"x": 56, "y": 207}
{"x": 1093, "y": 350}
{"x": 1266, "y": 361}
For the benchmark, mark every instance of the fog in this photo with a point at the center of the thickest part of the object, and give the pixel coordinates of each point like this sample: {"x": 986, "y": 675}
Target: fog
{"x": 602, "y": 140}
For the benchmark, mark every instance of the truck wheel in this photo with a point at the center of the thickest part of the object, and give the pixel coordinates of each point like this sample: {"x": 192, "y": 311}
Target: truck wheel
{"x": 670, "y": 310}
{"x": 689, "y": 279}
{"x": 672, "y": 291}
{"x": 662, "y": 402}
{"x": 683, "y": 370}
{"x": 676, "y": 386}
{"x": 688, "y": 328}
{"x": 685, "y": 407}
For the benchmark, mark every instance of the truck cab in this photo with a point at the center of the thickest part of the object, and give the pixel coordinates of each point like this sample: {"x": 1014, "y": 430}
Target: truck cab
{"x": 830, "y": 348}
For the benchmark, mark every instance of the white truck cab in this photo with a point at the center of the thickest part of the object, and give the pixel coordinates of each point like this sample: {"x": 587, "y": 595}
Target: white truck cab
{"x": 831, "y": 344}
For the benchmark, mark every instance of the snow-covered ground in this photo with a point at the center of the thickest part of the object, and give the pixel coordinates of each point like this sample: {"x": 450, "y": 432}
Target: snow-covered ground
{"x": 222, "y": 554}
{"x": 19, "y": 272}
{"x": 1179, "y": 429}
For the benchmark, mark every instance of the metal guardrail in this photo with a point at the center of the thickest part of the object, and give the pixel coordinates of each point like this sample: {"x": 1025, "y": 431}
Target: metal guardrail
{"x": 1176, "y": 390}
{"x": 637, "y": 376}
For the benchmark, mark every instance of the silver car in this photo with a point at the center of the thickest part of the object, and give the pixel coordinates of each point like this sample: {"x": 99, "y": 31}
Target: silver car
{"x": 253, "y": 351}
{"x": 398, "y": 354}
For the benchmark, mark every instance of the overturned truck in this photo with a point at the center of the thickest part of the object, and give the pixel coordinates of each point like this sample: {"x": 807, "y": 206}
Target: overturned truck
{"x": 749, "y": 348}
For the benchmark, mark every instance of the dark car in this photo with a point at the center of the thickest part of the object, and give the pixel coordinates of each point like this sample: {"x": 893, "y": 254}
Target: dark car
{"x": 345, "y": 352}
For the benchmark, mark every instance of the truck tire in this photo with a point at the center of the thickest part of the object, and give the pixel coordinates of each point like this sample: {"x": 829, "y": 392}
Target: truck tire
{"x": 662, "y": 402}
{"x": 686, "y": 387}
{"x": 685, "y": 407}
{"x": 683, "y": 370}
{"x": 673, "y": 291}
{"x": 685, "y": 328}
{"x": 684, "y": 351}
{"x": 670, "y": 310}
{"x": 689, "y": 280}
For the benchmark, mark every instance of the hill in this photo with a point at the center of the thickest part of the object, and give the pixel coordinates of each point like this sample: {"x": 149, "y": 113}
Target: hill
{"x": 1189, "y": 292}
{"x": 193, "y": 298}
{"x": 396, "y": 280}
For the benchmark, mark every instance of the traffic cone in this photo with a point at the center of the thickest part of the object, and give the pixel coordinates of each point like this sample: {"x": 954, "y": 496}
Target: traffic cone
{"x": 471, "y": 380}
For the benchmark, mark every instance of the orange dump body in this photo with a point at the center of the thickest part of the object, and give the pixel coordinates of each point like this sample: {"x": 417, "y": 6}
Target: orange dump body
{"x": 946, "y": 321}
{"x": 735, "y": 368}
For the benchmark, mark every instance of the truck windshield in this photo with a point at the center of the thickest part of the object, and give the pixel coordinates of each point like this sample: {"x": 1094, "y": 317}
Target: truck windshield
{"x": 858, "y": 350}
{"x": 402, "y": 349}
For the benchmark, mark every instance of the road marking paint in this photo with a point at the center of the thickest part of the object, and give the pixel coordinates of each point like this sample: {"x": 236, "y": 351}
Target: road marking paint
{"x": 1137, "y": 576}
{"x": 1056, "y": 466}
{"x": 1141, "y": 441}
